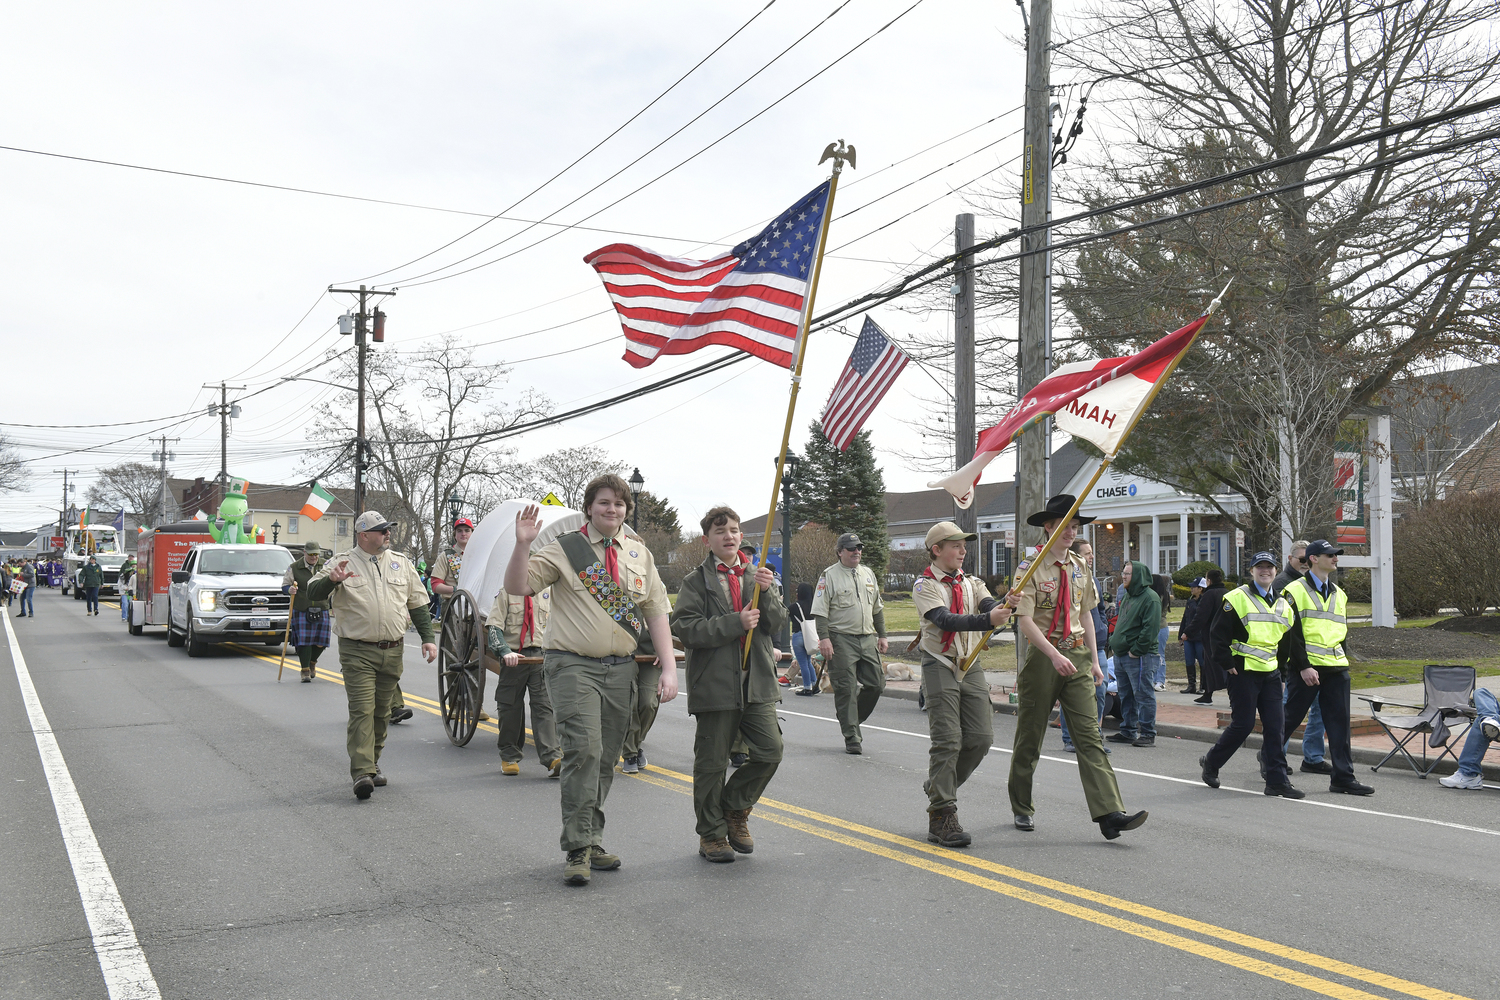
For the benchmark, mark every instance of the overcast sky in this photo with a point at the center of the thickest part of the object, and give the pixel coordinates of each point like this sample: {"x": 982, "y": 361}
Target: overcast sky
{"x": 124, "y": 291}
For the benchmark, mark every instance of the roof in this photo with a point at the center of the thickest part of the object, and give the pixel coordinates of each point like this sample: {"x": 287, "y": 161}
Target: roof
{"x": 1064, "y": 465}
{"x": 10, "y": 538}
{"x": 1442, "y": 413}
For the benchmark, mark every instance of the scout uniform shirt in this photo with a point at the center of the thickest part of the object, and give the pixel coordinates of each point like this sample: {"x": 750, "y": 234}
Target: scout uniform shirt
{"x": 372, "y": 605}
{"x": 849, "y": 599}
{"x": 928, "y": 593}
{"x": 509, "y": 613}
{"x": 1039, "y": 597}
{"x": 581, "y": 625}
{"x": 446, "y": 569}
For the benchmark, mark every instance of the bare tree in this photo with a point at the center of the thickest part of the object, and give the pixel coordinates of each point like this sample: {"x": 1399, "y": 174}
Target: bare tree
{"x": 132, "y": 486}
{"x": 14, "y": 476}
{"x": 1443, "y": 423}
{"x": 567, "y": 472}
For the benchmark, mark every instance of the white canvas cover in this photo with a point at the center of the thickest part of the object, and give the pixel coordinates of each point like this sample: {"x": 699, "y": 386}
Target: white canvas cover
{"x": 489, "y": 549}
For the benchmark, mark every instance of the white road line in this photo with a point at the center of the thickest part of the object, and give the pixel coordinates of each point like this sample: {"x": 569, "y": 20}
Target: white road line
{"x": 126, "y": 973}
{"x": 1190, "y": 781}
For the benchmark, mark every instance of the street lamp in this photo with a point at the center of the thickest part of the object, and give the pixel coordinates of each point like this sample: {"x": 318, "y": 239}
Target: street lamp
{"x": 636, "y": 482}
{"x": 275, "y": 532}
{"x": 455, "y": 504}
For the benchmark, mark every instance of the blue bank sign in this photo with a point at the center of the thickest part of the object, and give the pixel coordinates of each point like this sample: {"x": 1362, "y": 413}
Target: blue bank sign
{"x": 1110, "y": 492}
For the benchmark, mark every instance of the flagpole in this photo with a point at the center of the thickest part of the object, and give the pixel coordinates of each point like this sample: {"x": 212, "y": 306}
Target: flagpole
{"x": 1078, "y": 501}
{"x": 839, "y": 154}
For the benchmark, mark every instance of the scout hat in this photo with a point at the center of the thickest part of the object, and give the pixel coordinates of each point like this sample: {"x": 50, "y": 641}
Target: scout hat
{"x": 1266, "y": 557}
{"x": 947, "y": 531}
{"x": 1321, "y": 547}
{"x": 848, "y": 540}
{"x": 372, "y": 520}
{"x": 465, "y": 522}
{"x": 311, "y": 549}
{"x": 1057, "y": 508}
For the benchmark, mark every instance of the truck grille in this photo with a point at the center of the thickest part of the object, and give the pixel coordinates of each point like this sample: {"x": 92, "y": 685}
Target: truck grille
{"x": 245, "y": 601}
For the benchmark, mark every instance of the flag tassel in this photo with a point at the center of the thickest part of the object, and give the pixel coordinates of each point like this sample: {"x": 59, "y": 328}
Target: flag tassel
{"x": 791, "y": 405}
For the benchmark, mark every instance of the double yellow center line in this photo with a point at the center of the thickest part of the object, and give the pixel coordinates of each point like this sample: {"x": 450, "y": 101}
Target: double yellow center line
{"x": 1147, "y": 922}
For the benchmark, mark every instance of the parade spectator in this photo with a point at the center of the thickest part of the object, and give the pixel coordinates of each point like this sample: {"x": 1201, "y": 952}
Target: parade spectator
{"x": 801, "y": 615}
{"x": 125, "y": 585}
{"x": 1134, "y": 644}
{"x": 90, "y": 579}
{"x": 1209, "y": 604}
{"x": 1162, "y": 584}
{"x": 1484, "y": 731}
{"x": 28, "y": 577}
{"x": 1190, "y": 633}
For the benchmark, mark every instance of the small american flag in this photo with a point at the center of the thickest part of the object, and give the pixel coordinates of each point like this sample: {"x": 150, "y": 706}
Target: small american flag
{"x": 867, "y": 377}
{"x": 750, "y": 298}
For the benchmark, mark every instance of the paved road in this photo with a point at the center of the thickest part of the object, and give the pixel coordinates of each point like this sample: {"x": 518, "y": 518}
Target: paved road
{"x": 219, "y": 801}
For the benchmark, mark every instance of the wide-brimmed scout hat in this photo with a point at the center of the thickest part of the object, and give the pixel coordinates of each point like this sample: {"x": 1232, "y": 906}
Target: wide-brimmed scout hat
{"x": 947, "y": 531}
{"x": 1057, "y": 508}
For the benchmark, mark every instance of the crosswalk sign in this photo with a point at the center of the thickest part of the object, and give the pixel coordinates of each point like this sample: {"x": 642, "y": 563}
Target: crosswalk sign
{"x": 551, "y": 500}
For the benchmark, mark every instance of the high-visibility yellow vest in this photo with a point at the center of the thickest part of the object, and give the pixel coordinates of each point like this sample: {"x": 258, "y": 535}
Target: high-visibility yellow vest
{"x": 1265, "y": 623}
{"x": 1324, "y": 627}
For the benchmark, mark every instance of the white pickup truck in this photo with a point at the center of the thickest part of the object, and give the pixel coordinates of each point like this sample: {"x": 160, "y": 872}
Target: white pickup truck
{"x": 228, "y": 593}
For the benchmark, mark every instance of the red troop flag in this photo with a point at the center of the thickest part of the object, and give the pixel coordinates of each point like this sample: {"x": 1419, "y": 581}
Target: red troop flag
{"x": 867, "y": 376}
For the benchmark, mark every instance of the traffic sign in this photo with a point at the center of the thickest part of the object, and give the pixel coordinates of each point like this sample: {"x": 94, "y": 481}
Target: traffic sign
{"x": 1239, "y": 538}
{"x": 551, "y": 500}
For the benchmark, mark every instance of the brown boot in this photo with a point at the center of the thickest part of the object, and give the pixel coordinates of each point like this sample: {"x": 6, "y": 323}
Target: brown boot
{"x": 307, "y": 675}
{"x": 739, "y": 830}
{"x": 715, "y": 849}
{"x": 943, "y": 828}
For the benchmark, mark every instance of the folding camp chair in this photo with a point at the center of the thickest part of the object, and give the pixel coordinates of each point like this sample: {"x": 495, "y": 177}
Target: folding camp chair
{"x": 1448, "y": 694}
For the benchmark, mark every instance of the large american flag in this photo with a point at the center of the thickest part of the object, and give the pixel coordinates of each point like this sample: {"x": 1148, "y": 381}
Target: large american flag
{"x": 867, "y": 377}
{"x": 750, "y": 298}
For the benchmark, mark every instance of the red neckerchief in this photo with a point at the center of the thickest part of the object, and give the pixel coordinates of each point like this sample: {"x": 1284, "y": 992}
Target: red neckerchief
{"x": 1064, "y": 600}
{"x": 528, "y": 624}
{"x": 733, "y": 575}
{"x": 955, "y": 582}
{"x": 611, "y": 558}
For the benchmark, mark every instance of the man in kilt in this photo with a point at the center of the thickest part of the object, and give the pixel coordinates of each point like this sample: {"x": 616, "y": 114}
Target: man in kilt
{"x": 309, "y": 617}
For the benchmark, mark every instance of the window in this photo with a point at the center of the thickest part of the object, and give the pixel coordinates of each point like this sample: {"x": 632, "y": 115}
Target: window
{"x": 291, "y": 524}
{"x": 344, "y": 526}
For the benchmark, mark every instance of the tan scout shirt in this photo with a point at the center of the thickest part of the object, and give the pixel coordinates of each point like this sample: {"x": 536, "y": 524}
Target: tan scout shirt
{"x": 510, "y": 614}
{"x": 927, "y": 594}
{"x": 442, "y": 566}
{"x": 849, "y": 599}
{"x": 1039, "y": 598}
{"x": 579, "y": 625}
{"x": 372, "y": 605}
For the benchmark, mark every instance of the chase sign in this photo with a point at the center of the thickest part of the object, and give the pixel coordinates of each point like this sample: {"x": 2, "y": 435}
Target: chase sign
{"x": 1110, "y": 492}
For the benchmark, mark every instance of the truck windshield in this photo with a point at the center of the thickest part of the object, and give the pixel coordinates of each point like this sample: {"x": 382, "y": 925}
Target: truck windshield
{"x": 250, "y": 559}
{"x": 109, "y": 561}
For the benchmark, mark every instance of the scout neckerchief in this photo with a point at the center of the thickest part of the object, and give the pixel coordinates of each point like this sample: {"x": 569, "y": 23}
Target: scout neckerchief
{"x": 602, "y": 579}
{"x": 1064, "y": 602}
{"x": 955, "y": 582}
{"x": 732, "y": 576}
{"x": 528, "y": 623}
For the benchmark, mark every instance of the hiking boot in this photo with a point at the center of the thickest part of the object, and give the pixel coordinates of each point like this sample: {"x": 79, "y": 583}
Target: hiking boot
{"x": 400, "y": 715}
{"x": 1116, "y": 823}
{"x": 510, "y": 767}
{"x": 739, "y": 830}
{"x": 1210, "y": 775}
{"x": 1286, "y": 791}
{"x": 576, "y": 870}
{"x": 631, "y": 764}
{"x": 943, "y": 828}
{"x": 601, "y": 860}
{"x": 715, "y": 849}
{"x": 554, "y": 770}
{"x": 378, "y": 778}
{"x": 363, "y": 786}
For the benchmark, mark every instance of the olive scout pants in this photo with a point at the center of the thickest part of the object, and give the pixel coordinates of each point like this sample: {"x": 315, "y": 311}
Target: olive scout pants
{"x": 512, "y": 687}
{"x": 592, "y": 702}
{"x": 961, "y": 721}
{"x": 370, "y": 676}
{"x": 858, "y": 678}
{"x": 647, "y": 702}
{"x": 1037, "y": 687}
{"x": 758, "y": 727}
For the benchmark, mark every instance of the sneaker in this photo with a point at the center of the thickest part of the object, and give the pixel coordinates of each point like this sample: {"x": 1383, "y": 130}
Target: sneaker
{"x": 1316, "y": 767}
{"x": 1069, "y": 748}
{"x": 806, "y": 693}
{"x": 1460, "y": 780}
{"x": 1207, "y": 699}
{"x": 1144, "y": 741}
{"x": 738, "y": 760}
{"x": 554, "y": 770}
{"x": 784, "y": 681}
{"x": 852, "y": 746}
{"x": 631, "y": 764}
{"x": 601, "y": 860}
{"x": 1490, "y": 726}
{"x": 1119, "y": 738}
{"x": 640, "y": 758}
{"x": 400, "y": 715}
{"x": 576, "y": 869}
{"x": 1161, "y": 687}
{"x": 510, "y": 767}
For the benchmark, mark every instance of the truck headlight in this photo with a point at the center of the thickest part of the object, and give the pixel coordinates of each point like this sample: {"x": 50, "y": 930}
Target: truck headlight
{"x": 208, "y": 600}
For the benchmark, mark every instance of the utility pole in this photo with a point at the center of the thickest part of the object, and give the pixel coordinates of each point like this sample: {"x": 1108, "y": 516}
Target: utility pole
{"x": 963, "y": 370}
{"x": 62, "y": 512}
{"x": 226, "y": 411}
{"x": 163, "y": 456}
{"x": 361, "y": 320}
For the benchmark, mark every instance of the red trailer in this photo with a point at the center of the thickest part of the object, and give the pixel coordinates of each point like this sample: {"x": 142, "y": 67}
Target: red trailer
{"x": 162, "y": 551}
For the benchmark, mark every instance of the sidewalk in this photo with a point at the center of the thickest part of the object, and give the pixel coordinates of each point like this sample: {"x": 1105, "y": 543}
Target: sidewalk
{"x": 1177, "y": 717}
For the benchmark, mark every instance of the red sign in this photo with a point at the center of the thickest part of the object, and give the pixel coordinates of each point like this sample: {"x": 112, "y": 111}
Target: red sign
{"x": 58, "y": 541}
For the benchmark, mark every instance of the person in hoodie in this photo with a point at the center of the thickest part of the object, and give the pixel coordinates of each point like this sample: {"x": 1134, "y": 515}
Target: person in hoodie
{"x": 1134, "y": 647}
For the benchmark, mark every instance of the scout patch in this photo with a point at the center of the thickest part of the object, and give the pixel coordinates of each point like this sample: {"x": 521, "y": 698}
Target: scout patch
{"x": 1049, "y": 586}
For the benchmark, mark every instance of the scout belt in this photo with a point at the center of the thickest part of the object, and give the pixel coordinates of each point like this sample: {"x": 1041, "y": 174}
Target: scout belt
{"x": 1066, "y": 643}
{"x": 600, "y": 585}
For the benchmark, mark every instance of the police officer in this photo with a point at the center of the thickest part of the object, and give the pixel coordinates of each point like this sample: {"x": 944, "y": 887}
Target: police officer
{"x": 309, "y": 617}
{"x": 515, "y": 629}
{"x": 600, "y": 611}
{"x": 1062, "y": 666}
{"x": 1317, "y": 662}
{"x": 957, "y": 612}
{"x": 850, "y": 619}
{"x": 1244, "y": 642}
{"x": 373, "y": 590}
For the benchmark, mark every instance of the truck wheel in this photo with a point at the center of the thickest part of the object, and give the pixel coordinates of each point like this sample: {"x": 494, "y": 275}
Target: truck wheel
{"x": 174, "y": 637}
{"x": 77, "y": 593}
{"x": 194, "y": 647}
{"x": 136, "y": 629}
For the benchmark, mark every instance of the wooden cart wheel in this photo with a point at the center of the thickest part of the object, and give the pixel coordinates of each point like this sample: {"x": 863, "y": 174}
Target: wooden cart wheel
{"x": 460, "y": 673}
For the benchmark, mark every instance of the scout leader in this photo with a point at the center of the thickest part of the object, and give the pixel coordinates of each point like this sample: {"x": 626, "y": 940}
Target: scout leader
{"x": 374, "y": 590}
{"x": 606, "y": 596}
{"x": 850, "y": 619}
{"x": 515, "y": 630}
{"x": 309, "y": 617}
{"x": 714, "y": 620}
{"x": 957, "y": 612}
{"x": 1062, "y": 665}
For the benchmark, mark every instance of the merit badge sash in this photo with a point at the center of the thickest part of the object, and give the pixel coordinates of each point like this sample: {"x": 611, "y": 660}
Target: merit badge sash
{"x": 600, "y": 585}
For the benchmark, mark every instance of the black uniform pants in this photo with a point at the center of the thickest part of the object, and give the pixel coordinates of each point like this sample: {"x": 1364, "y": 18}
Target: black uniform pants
{"x": 1252, "y": 691}
{"x": 1332, "y": 696}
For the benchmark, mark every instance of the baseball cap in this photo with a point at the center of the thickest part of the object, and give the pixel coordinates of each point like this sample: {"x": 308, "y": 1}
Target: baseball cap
{"x": 849, "y": 540}
{"x": 465, "y": 522}
{"x": 311, "y": 549}
{"x": 947, "y": 531}
{"x": 372, "y": 520}
{"x": 1322, "y": 547}
{"x": 1202, "y": 581}
{"x": 1261, "y": 557}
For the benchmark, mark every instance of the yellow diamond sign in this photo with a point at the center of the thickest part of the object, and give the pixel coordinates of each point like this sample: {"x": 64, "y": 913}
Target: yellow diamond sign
{"x": 551, "y": 500}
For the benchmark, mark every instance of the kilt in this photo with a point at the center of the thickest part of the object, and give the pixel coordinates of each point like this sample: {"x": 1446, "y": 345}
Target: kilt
{"x": 305, "y": 633}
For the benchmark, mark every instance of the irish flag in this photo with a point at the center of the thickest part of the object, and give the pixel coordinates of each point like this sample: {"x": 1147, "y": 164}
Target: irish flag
{"x": 317, "y": 502}
{"x": 1098, "y": 401}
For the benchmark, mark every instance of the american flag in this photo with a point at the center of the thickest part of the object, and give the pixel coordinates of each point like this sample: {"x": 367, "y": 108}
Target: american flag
{"x": 867, "y": 377}
{"x": 750, "y": 298}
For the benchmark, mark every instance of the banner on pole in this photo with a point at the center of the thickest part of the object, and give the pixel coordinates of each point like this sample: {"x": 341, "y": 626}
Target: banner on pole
{"x": 1349, "y": 495}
